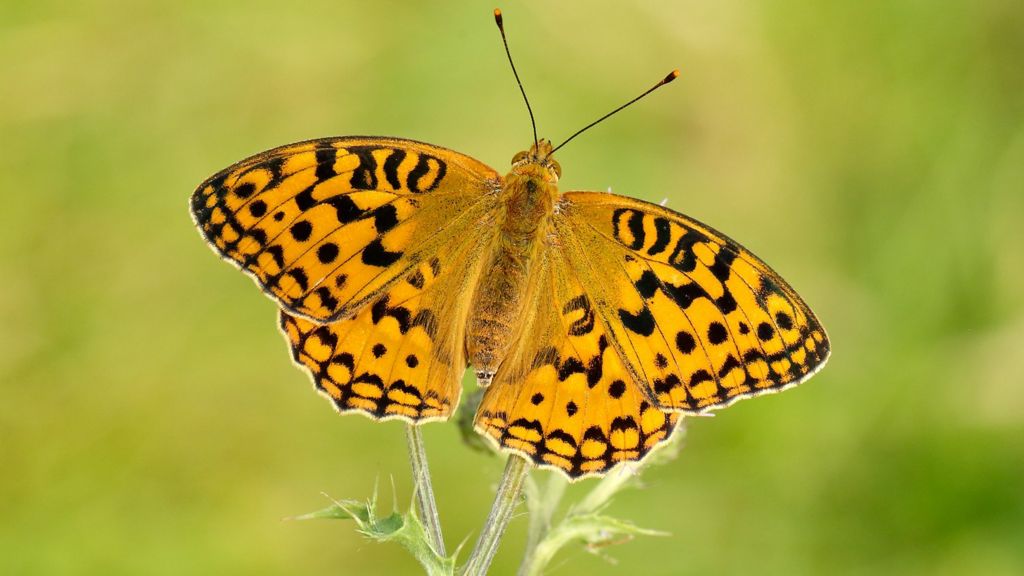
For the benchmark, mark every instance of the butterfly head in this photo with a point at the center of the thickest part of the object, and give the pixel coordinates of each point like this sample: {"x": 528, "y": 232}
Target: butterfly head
{"x": 537, "y": 161}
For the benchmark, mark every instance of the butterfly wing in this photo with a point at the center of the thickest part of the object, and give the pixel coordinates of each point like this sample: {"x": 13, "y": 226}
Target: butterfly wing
{"x": 402, "y": 356}
{"x": 370, "y": 246}
{"x": 563, "y": 397}
{"x": 640, "y": 314}
{"x": 699, "y": 320}
{"x": 327, "y": 226}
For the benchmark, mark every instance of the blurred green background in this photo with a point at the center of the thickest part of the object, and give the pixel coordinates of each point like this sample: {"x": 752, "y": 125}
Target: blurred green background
{"x": 872, "y": 152}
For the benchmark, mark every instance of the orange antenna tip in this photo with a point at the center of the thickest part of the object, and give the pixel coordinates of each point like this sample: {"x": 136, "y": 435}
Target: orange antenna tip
{"x": 671, "y": 76}
{"x": 497, "y": 16}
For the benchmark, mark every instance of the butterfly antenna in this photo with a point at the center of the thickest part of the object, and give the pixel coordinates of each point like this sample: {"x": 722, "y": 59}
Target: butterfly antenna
{"x": 504, "y": 40}
{"x": 672, "y": 76}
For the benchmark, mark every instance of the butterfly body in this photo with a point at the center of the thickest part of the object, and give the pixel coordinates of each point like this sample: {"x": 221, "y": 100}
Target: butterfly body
{"x": 526, "y": 204}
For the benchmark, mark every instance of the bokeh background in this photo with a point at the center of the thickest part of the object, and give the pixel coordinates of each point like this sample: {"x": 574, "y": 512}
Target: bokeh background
{"x": 152, "y": 423}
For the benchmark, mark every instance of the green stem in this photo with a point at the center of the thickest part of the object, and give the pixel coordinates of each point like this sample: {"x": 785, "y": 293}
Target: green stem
{"x": 516, "y": 470}
{"x": 425, "y": 505}
{"x": 542, "y": 506}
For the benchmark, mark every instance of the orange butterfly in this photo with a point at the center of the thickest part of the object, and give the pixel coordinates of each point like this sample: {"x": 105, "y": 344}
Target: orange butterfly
{"x": 592, "y": 319}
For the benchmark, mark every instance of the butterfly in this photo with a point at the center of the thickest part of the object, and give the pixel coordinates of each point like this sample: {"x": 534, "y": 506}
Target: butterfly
{"x": 594, "y": 321}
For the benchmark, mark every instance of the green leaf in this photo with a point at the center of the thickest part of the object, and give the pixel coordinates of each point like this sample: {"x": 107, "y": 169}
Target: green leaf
{"x": 404, "y": 529}
{"x": 595, "y": 531}
{"x": 335, "y": 511}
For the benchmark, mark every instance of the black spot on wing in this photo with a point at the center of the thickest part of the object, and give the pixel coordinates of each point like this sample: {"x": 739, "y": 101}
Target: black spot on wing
{"x": 726, "y": 303}
{"x": 700, "y": 376}
{"x": 647, "y": 285}
{"x": 641, "y": 323}
{"x": 326, "y": 298}
{"x": 325, "y": 336}
{"x": 299, "y": 275}
{"x": 616, "y": 389}
{"x": 346, "y": 209}
{"x": 594, "y": 370}
{"x": 634, "y": 221}
{"x": 717, "y": 333}
{"x": 259, "y": 236}
{"x": 666, "y": 385}
{"x": 401, "y": 314}
{"x": 245, "y": 190}
{"x": 623, "y": 423}
{"x": 301, "y": 230}
{"x": 685, "y": 342}
{"x": 683, "y": 257}
{"x": 391, "y": 165}
{"x": 684, "y": 294}
{"x": 664, "y": 233}
{"x": 784, "y": 320}
{"x": 568, "y": 367}
{"x": 327, "y": 252}
{"x": 304, "y": 200}
{"x": 376, "y": 255}
{"x": 344, "y": 359}
{"x": 385, "y": 218}
{"x": 258, "y": 208}
{"x": 422, "y": 168}
{"x": 417, "y": 280}
{"x": 723, "y": 261}
{"x": 585, "y": 323}
{"x": 730, "y": 364}
{"x": 277, "y": 253}
{"x": 407, "y": 389}
{"x": 364, "y": 177}
{"x": 325, "y": 158}
{"x": 523, "y": 423}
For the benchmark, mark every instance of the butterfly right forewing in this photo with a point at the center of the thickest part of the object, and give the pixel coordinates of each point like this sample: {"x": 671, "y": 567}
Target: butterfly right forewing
{"x": 699, "y": 319}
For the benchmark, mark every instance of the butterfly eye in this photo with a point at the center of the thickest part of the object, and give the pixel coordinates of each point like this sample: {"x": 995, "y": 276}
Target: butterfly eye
{"x": 519, "y": 157}
{"x": 555, "y": 166}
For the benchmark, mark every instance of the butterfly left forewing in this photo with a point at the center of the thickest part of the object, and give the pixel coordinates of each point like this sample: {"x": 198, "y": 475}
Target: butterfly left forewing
{"x": 371, "y": 246}
{"x": 697, "y": 318}
{"x": 325, "y": 226}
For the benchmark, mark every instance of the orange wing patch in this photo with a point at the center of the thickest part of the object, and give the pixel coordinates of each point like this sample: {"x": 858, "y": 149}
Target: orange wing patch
{"x": 563, "y": 397}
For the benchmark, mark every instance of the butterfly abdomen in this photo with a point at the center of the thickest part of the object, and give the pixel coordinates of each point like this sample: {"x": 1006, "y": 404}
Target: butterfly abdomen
{"x": 527, "y": 202}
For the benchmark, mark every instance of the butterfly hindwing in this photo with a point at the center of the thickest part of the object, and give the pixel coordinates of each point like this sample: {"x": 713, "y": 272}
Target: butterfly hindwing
{"x": 563, "y": 397}
{"x": 700, "y": 320}
{"x": 401, "y": 356}
{"x": 326, "y": 226}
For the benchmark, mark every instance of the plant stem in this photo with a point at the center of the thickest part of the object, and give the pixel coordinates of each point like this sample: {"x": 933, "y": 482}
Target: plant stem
{"x": 542, "y": 506}
{"x": 425, "y": 505}
{"x": 516, "y": 470}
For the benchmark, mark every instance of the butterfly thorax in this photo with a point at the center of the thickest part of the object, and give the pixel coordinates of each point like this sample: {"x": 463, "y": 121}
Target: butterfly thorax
{"x": 527, "y": 201}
